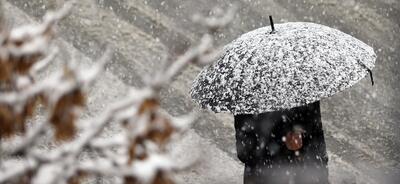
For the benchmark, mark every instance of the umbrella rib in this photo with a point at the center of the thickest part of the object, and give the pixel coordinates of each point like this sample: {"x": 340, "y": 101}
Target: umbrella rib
{"x": 369, "y": 71}
{"x": 370, "y": 75}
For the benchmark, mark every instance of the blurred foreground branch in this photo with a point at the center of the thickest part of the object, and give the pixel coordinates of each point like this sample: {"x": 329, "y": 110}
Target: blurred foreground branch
{"x": 136, "y": 155}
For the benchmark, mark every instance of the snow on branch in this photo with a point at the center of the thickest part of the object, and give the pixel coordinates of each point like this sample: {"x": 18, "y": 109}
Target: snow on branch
{"x": 135, "y": 155}
{"x": 219, "y": 20}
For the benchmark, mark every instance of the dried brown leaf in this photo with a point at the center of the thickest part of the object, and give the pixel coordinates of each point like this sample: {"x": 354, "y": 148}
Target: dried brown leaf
{"x": 160, "y": 130}
{"x": 12, "y": 122}
{"x": 131, "y": 180}
{"x": 63, "y": 116}
{"x": 133, "y": 151}
{"x": 64, "y": 126}
{"x": 148, "y": 105}
{"x": 30, "y": 106}
{"x": 162, "y": 178}
{"x": 5, "y": 70}
{"x": 77, "y": 178}
{"x": 6, "y": 121}
{"x": 24, "y": 63}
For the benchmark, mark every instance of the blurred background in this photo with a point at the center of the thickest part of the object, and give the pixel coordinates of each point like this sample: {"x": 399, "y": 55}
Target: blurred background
{"x": 361, "y": 124}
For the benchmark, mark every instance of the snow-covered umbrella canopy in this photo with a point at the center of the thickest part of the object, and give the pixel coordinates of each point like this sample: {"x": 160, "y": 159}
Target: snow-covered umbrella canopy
{"x": 296, "y": 64}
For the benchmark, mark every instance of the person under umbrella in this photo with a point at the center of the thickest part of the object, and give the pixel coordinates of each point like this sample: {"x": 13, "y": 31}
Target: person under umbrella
{"x": 281, "y": 146}
{"x": 272, "y": 81}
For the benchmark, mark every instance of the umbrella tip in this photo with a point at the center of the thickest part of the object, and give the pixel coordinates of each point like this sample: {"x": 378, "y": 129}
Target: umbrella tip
{"x": 370, "y": 75}
{"x": 272, "y": 24}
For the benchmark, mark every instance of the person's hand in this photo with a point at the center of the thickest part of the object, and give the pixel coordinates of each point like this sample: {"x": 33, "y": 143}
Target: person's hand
{"x": 294, "y": 139}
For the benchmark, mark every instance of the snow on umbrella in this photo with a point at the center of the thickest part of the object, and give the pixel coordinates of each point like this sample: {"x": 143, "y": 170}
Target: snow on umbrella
{"x": 267, "y": 70}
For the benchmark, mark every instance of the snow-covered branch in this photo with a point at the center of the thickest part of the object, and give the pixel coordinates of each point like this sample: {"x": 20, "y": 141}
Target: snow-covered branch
{"x": 219, "y": 20}
{"x": 135, "y": 155}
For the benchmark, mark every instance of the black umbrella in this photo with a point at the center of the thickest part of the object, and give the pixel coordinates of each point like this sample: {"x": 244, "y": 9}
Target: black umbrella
{"x": 272, "y": 69}
{"x": 272, "y": 81}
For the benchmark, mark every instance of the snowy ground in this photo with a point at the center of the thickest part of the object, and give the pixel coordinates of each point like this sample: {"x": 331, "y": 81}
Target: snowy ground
{"x": 361, "y": 124}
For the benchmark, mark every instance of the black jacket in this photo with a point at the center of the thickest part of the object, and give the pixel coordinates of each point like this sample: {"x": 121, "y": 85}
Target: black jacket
{"x": 260, "y": 143}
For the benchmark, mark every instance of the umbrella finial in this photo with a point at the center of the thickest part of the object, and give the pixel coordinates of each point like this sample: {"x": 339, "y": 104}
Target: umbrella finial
{"x": 272, "y": 24}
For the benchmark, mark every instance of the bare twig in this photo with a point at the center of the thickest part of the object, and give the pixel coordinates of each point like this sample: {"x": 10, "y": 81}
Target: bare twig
{"x": 41, "y": 65}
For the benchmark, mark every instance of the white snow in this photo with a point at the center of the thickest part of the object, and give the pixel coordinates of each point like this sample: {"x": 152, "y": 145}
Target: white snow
{"x": 299, "y": 64}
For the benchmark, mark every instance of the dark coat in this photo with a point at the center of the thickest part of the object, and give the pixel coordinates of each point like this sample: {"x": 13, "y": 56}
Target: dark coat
{"x": 261, "y": 147}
